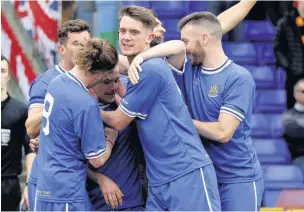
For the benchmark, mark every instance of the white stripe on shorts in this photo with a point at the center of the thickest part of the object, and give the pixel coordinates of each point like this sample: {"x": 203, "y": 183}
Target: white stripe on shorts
{"x": 67, "y": 207}
{"x": 206, "y": 191}
{"x": 35, "y": 200}
{"x": 255, "y": 197}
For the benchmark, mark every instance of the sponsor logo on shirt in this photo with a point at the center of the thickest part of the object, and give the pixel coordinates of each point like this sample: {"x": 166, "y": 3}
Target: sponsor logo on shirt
{"x": 5, "y": 137}
{"x": 213, "y": 90}
{"x": 43, "y": 193}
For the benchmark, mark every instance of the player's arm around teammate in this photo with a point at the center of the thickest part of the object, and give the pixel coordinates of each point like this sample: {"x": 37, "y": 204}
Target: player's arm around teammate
{"x": 220, "y": 131}
{"x": 228, "y": 20}
{"x": 34, "y": 121}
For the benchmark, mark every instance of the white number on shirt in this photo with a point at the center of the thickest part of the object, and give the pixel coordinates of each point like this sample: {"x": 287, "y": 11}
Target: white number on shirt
{"x": 46, "y": 114}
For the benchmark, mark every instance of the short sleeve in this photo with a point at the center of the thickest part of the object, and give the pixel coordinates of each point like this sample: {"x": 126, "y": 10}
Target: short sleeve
{"x": 140, "y": 97}
{"x": 88, "y": 127}
{"x": 37, "y": 94}
{"x": 238, "y": 96}
{"x": 25, "y": 137}
{"x": 182, "y": 71}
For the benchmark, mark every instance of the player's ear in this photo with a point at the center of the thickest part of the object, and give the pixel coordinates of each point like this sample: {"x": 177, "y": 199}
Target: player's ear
{"x": 151, "y": 36}
{"x": 61, "y": 49}
{"x": 204, "y": 39}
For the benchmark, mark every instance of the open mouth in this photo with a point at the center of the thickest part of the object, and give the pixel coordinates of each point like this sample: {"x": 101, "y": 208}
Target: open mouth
{"x": 110, "y": 94}
{"x": 127, "y": 46}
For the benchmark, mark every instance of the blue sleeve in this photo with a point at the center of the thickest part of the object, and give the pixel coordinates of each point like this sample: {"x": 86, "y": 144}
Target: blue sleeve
{"x": 140, "y": 97}
{"x": 124, "y": 80}
{"x": 37, "y": 94}
{"x": 182, "y": 71}
{"x": 238, "y": 96}
{"x": 88, "y": 127}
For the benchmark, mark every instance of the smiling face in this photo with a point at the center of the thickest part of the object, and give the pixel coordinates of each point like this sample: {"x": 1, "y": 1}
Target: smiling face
{"x": 134, "y": 37}
{"x": 191, "y": 37}
{"x": 105, "y": 90}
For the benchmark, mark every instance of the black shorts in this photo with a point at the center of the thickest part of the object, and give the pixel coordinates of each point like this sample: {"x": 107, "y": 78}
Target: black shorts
{"x": 10, "y": 194}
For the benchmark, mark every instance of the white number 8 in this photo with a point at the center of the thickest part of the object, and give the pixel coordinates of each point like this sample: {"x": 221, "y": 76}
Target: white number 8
{"x": 46, "y": 114}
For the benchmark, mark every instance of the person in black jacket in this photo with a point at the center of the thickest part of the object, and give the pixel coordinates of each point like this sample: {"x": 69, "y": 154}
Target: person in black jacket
{"x": 289, "y": 48}
{"x": 13, "y": 137}
{"x": 293, "y": 126}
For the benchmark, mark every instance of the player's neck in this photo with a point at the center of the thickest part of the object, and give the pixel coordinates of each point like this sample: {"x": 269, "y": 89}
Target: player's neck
{"x": 3, "y": 94}
{"x": 131, "y": 58}
{"x": 66, "y": 65}
{"x": 80, "y": 75}
{"x": 214, "y": 58}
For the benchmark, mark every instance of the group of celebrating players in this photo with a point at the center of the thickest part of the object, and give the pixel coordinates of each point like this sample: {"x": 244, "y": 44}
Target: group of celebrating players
{"x": 192, "y": 107}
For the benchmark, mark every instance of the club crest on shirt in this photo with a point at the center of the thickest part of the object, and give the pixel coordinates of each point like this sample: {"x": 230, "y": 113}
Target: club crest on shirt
{"x": 213, "y": 90}
{"x": 5, "y": 137}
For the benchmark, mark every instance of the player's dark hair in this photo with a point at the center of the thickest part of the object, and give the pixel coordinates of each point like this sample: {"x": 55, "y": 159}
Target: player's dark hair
{"x": 71, "y": 26}
{"x": 138, "y": 13}
{"x": 97, "y": 55}
{"x": 206, "y": 20}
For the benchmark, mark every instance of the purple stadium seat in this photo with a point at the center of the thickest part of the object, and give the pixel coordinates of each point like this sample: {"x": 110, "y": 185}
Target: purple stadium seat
{"x": 198, "y": 6}
{"x": 283, "y": 177}
{"x": 138, "y": 3}
{"x": 259, "y": 30}
{"x": 171, "y": 26}
{"x": 271, "y": 197}
{"x": 171, "y": 9}
{"x": 265, "y": 53}
{"x": 260, "y": 126}
{"x": 276, "y": 125}
{"x": 278, "y": 178}
{"x": 271, "y": 152}
{"x": 240, "y": 52}
{"x": 263, "y": 76}
{"x": 270, "y": 101}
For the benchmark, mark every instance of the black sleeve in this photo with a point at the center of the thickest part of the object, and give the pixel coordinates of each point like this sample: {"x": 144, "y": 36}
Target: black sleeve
{"x": 280, "y": 44}
{"x": 25, "y": 137}
{"x": 293, "y": 128}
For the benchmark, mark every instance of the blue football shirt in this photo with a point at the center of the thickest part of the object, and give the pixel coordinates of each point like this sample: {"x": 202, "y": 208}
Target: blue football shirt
{"x": 228, "y": 89}
{"x": 37, "y": 93}
{"x": 170, "y": 142}
{"x": 71, "y": 133}
{"x": 122, "y": 168}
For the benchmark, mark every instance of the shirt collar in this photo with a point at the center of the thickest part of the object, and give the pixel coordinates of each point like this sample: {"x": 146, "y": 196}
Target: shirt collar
{"x": 299, "y": 107}
{"x": 75, "y": 79}
{"x": 60, "y": 68}
{"x": 210, "y": 71}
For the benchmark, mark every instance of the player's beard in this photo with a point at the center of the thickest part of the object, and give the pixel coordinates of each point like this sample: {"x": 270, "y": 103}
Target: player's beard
{"x": 157, "y": 40}
{"x": 197, "y": 56}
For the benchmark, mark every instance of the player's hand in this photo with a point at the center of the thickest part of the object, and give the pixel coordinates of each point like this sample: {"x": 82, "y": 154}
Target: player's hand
{"x": 24, "y": 199}
{"x": 121, "y": 90}
{"x": 34, "y": 144}
{"x": 134, "y": 68}
{"x": 117, "y": 99}
{"x": 111, "y": 134}
{"x": 111, "y": 192}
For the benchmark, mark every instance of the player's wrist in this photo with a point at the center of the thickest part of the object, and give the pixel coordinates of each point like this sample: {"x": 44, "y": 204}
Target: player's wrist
{"x": 111, "y": 142}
